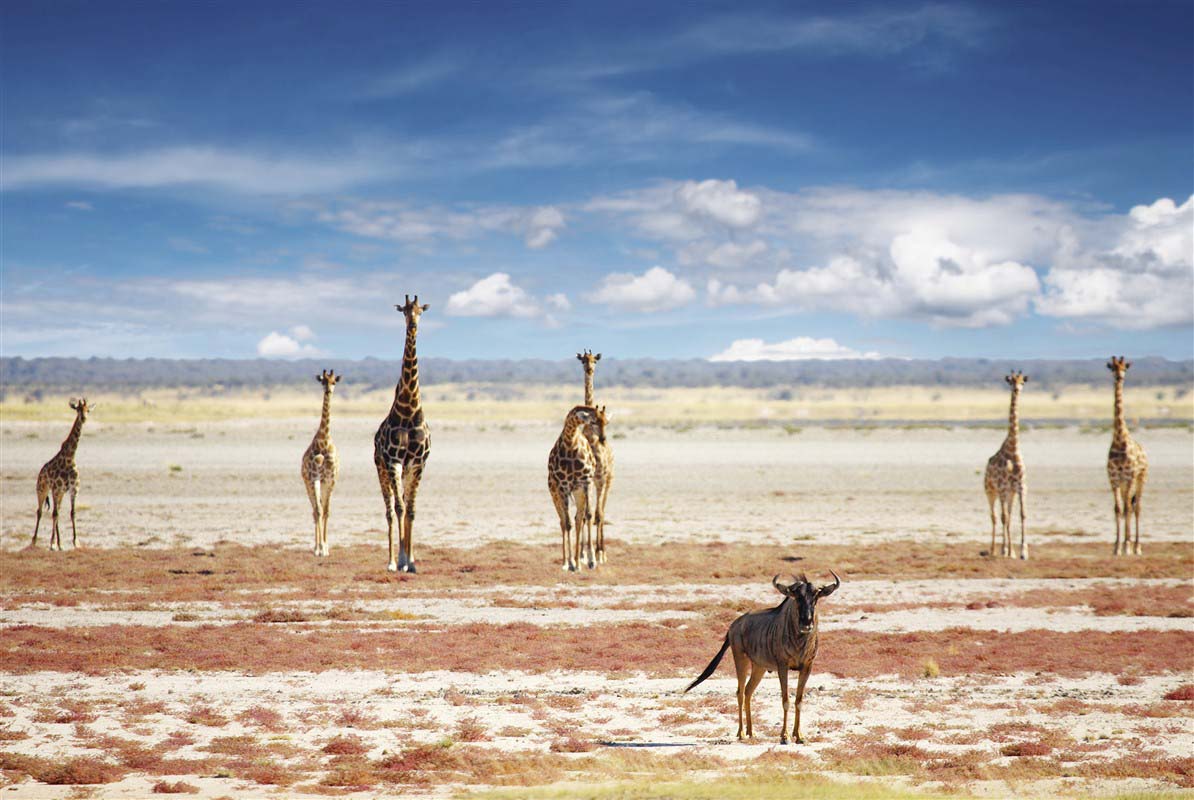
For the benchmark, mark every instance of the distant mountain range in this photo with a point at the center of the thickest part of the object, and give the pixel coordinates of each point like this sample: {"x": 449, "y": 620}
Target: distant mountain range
{"x": 18, "y": 374}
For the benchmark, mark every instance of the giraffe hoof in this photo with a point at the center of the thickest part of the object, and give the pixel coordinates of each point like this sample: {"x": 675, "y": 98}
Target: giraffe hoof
{"x": 783, "y": 740}
{"x": 565, "y": 568}
{"x": 798, "y": 740}
{"x": 392, "y": 567}
{"x": 410, "y": 567}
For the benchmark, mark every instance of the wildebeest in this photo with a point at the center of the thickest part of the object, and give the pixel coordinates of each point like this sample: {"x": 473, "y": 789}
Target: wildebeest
{"x": 780, "y": 639}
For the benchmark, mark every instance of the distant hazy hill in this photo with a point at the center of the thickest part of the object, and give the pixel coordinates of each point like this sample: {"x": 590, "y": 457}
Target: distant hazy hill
{"x": 19, "y": 374}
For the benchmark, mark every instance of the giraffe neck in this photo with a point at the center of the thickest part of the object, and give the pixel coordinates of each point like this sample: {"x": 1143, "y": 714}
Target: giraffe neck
{"x": 325, "y": 418}
{"x": 71, "y": 442}
{"x": 573, "y": 429}
{"x": 1120, "y": 430}
{"x": 1013, "y": 421}
{"x": 588, "y": 388}
{"x": 407, "y": 407}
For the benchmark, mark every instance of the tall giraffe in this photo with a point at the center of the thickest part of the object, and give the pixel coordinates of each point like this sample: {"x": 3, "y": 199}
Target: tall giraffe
{"x": 602, "y": 452}
{"x": 1127, "y": 465}
{"x": 571, "y": 468}
{"x": 59, "y": 476}
{"x": 401, "y": 446}
{"x": 1005, "y": 474}
{"x": 321, "y": 465}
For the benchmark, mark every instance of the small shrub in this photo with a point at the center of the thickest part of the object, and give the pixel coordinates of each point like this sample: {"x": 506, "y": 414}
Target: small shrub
{"x": 1026, "y": 749}
{"x": 178, "y": 787}
{"x": 572, "y": 744}
{"x": 471, "y": 729}
{"x": 206, "y": 715}
{"x": 931, "y": 670}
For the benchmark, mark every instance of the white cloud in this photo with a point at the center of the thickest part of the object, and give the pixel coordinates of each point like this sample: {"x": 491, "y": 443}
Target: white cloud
{"x": 654, "y": 290}
{"x": 1143, "y": 277}
{"x": 278, "y": 345}
{"x": 80, "y": 205}
{"x": 302, "y": 333}
{"x": 494, "y": 296}
{"x": 720, "y": 202}
{"x": 726, "y": 255}
{"x": 558, "y": 301}
{"x": 800, "y": 348}
{"x": 231, "y": 170}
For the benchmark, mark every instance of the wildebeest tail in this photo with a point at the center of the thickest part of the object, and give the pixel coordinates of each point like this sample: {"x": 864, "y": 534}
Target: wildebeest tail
{"x": 709, "y": 670}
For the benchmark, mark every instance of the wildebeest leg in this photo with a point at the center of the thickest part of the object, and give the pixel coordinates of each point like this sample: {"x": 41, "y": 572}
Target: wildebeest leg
{"x": 783, "y": 693}
{"x": 741, "y": 667}
{"x": 804, "y": 673}
{"x": 756, "y": 674}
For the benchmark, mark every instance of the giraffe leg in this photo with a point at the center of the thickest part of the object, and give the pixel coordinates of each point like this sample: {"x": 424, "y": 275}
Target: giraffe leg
{"x": 410, "y": 488}
{"x": 316, "y": 510}
{"x": 991, "y": 506}
{"x": 1005, "y": 545}
{"x": 783, "y": 693}
{"x": 42, "y": 502}
{"x": 742, "y": 668}
{"x": 581, "y": 497}
{"x": 74, "y": 534}
{"x": 387, "y": 497}
{"x": 756, "y": 675}
{"x": 1023, "y": 542}
{"x": 1115, "y": 495}
{"x": 400, "y": 516}
{"x": 590, "y": 505}
{"x": 1136, "y": 500}
{"x": 601, "y": 519}
{"x": 559, "y": 498}
{"x": 55, "y": 537}
{"x": 804, "y": 673}
{"x": 326, "y": 497}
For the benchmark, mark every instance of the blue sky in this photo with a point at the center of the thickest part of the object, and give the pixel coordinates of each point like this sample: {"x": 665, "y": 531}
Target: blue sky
{"x": 696, "y": 180}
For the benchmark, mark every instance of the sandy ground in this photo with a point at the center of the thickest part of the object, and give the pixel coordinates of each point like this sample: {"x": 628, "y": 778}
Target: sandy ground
{"x": 161, "y": 485}
{"x": 239, "y": 481}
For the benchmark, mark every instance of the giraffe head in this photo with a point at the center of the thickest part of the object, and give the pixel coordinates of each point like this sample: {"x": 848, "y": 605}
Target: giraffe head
{"x": 805, "y": 595}
{"x": 1118, "y": 367}
{"x": 1016, "y": 380}
{"x": 81, "y": 407}
{"x": 596, "y": 428}
{"x": 588, "y": 360}
{"x": 412, "y": 311}
{"x": 329, "y": 379}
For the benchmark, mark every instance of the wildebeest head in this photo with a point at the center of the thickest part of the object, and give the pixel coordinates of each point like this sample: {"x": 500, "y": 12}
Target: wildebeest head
{"x": 805, "y": 596}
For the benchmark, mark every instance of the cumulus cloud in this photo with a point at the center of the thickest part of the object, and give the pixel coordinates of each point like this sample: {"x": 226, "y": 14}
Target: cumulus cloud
{"x": 494, "y": 296}
{"x": 684, "y": 211}
{"x": 1143, "y": 279}
{"x": 654, "y": 290}
{"x": 403, "y": 222}
{"x": 279, "y": 345}
{"x": 797, "y": 349}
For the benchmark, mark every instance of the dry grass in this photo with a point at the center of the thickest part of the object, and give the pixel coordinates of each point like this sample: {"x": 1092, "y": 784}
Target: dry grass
{"x": 178, "y": 787}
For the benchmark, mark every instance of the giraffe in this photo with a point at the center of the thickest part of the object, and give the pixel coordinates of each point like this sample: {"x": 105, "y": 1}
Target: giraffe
{"x": 59, "y": 476}
{"x": 1127, "y": 465}
{"x": 321, "y": 465}
{"x": 571, "y": 469}
{"x": 602, "y": 452}
{"x": 401, "y": 447}
{"x": 1005, "y": 475}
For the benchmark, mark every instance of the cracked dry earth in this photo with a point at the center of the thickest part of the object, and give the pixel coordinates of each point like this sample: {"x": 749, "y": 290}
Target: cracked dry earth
{"x": 236, "y": 669}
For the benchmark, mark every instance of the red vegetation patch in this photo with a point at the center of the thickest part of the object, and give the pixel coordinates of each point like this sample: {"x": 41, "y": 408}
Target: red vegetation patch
{"x": 261, "y": 717}
{"x": 618, "y": 649}
{"x": 206, "y": 715}
{"x": 1023, "y": 749}
{"x": 345, "y": 746}
{"x": 56, "y": 772}
{"x": 1183, "y": 692}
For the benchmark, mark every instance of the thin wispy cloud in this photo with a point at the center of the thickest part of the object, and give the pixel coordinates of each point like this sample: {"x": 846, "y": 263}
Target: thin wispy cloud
{"x": 197, "y": 166}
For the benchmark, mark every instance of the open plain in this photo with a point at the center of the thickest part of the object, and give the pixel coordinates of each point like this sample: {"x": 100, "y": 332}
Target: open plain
{"x": 193, "y": 644}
